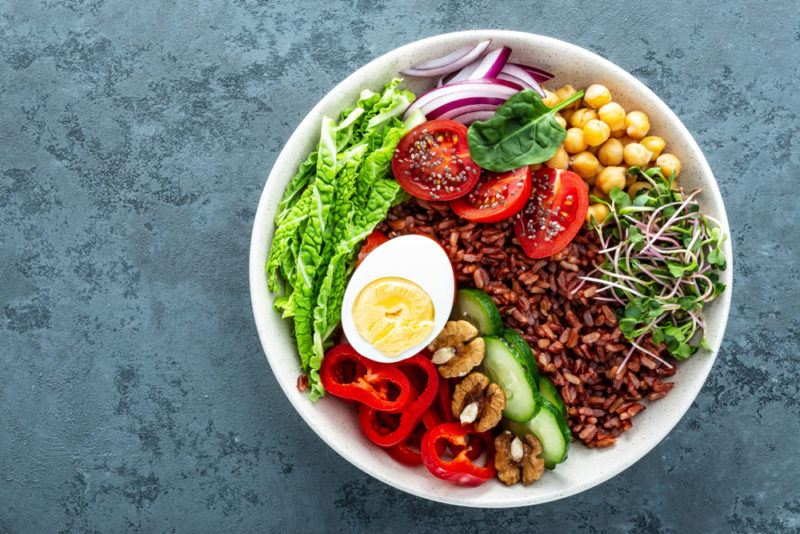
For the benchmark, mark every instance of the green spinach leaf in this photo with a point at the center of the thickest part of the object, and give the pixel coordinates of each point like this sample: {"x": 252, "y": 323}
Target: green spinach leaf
{"x": 523, "y": 131}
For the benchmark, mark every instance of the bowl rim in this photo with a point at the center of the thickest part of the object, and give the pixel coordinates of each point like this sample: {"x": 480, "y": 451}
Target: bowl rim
{"x": 261, "y": 307}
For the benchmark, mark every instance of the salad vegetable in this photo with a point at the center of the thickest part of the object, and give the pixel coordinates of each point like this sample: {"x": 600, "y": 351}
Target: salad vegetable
{"x": 523, "y": 131}
{"x": 661, "y": 262}
{"x": 337, "y": 197}
{"x": 389, "y": 432}
{"x": 347, "y": 374}
{"x": 461, "y": 469}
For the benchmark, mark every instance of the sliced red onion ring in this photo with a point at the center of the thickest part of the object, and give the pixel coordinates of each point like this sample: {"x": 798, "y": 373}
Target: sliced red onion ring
{"x": 464, "y": 73}
{"x": 538, "y": 74}
{"x": 449, "y": 63}
{"x": 487, "y": 88}
{"x": 456, "y": 106}
{"x": 469, "y": 118}
{"x": 491, "y": 65}
{"x": 518, "y": 73}
{"x": 469, "y": 109}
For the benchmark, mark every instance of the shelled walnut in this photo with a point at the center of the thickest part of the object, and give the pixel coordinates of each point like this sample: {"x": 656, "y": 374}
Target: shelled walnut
{"x": 477, "y": 401}
{"x": 515, "y": 458}
{"x": 457, "y": 350}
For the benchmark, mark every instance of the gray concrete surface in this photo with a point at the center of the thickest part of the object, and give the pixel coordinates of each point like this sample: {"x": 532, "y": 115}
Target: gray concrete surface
{"x": 134, "y": 142}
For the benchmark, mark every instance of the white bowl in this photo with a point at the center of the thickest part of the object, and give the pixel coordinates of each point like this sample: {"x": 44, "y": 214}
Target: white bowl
{"x": 335, "y": 422}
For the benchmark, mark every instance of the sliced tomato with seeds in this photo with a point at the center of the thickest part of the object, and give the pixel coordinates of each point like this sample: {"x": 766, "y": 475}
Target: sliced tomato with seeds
{"x": 498, "y": 196}
{"x": 432, "y": 161}
{"x": 554, "y": 214}
{"x": 373, "y": 241}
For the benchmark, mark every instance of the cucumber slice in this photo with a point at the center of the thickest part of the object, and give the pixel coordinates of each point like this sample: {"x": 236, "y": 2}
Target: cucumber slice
{"x": 551, "y": 394}
{"x": 510, "y": 370}
{"x": 521, "y": 346}
{"x": 477, "y": 307}
{"x": 550, "y": 428}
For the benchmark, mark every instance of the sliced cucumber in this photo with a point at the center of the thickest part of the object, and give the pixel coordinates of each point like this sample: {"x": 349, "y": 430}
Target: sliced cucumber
{"x": 505, "y": 366}
{"x": 521, "y": 346}
{"x": 551, "y": 394}
{"x": 477, "y": 307}
{"x": 550, "y": 428}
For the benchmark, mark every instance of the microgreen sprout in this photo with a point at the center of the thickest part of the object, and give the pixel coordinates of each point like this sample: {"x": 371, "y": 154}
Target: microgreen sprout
{"x": 659, "y": 261}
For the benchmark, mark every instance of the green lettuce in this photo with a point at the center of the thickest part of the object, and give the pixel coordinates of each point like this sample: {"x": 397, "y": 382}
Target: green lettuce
{"x": 308, "y": 257}
{"x": 337, "y": 197}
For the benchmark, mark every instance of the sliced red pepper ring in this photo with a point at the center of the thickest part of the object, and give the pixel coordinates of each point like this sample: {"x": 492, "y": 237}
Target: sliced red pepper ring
{"x": 385, "y": 431}
{"x": 459, "y": 470}
{"x": 407, "y": 452}
{"x": 347, "y": 374}
{"x": 445, "y": 407}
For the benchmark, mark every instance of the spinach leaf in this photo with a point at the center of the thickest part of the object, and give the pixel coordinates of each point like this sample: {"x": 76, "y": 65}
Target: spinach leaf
{"x": 523, "y": 131}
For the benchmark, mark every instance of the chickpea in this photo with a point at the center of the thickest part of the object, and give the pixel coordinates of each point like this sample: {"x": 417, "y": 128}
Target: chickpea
{"x": 637, "y": 187}
{"x": 611, "y": 152}
{"x": 580, "y": 117}
{"x": 654, "y": 144}
{"x": 630, "y": 179}
{"x": 614, "y": 115}
{"x": 636, "y": 154}
{"x": 561, "y": 120}
{"x": 618, "y": 134}
{"x": 584, "y": 164}
{"x": 597, "y": 213}
{"x": 595, "y": 132}
{"x": 669, "y": 163}
{"x": 597, "y": 96}
{"x": 565, "y": 92}
{"x": 550, "y": 99}
{"x": 626, "y": 140}
{"x": 574, "y": 142}
{"x": 566, "y": 113}
{"x": 598, "y": 193}
{"x": 559, "y": 161}
{"x": 609, "y": 178}
{"x": 638, "y": 124}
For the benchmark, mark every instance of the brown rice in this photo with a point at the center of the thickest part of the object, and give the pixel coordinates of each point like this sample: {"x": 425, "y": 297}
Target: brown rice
{"x": 576, "y": 339}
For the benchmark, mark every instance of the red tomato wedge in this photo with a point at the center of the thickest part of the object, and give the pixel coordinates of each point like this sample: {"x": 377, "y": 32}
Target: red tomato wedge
{"x": 432, "y": 161}
{"x": 554, "y": 214}
{"x": 373, "y": 241}
{"x": 498, "y": 196}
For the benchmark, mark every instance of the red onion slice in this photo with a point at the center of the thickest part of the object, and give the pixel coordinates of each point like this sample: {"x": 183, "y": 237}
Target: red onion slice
{"x": 464, "y": 73}
{"x": 449, "y": 63}
{"x": 491, "y": 65}
{"x": 469, "y": 109}
{"x": 487, "y": 88}
{"x": 457, "y": 106}
{"x": 469, "y": 118}
{"x": 536, "y": 73}
{"x": 521, "y": 74}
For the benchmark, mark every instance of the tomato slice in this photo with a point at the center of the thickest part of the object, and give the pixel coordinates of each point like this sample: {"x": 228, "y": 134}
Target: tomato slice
{"x": 554, "y": 214}
{"x": 373, "y": 241}
{"x": 432, "y": 161}
{"x": 498, "y": 196}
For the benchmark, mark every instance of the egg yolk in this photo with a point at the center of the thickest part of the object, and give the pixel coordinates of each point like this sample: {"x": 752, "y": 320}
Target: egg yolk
{"x": 393, "y": 314}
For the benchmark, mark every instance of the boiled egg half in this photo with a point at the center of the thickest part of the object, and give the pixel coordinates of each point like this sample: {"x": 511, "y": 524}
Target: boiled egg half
{"x": 398, "y": 299}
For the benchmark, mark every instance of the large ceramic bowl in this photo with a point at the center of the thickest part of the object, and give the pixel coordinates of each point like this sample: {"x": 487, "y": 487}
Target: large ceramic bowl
{"x": 335, "y": 422}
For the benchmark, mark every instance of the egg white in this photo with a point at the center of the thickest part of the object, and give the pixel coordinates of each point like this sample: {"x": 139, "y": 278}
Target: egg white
{"x": 416, "y": 258}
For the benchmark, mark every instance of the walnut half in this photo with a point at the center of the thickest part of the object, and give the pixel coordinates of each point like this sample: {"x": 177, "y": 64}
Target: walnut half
{"x": 517, "y": 459}
{"x": 477, "y": 401}
{"x": 457, "y": 350}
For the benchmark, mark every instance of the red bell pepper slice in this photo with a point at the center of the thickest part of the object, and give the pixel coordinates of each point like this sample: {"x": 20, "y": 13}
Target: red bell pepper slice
{"x": 347, "y": 374}
{"x": 445, "y": 408}
{"x": 407, "y": 452}
{"x": 460, "y": 470}
{"x": 384, "y": 432}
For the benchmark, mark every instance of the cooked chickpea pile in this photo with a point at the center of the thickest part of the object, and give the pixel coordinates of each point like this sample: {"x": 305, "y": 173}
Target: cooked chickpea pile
{"x": 602, "y": 141}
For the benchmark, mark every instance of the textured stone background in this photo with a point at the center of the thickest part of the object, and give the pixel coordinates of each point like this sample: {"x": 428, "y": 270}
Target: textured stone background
{"x": 134, "y": 142}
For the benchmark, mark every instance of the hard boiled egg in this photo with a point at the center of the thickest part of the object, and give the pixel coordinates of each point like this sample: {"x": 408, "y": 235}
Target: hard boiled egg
{"x": 398, "y": 299}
